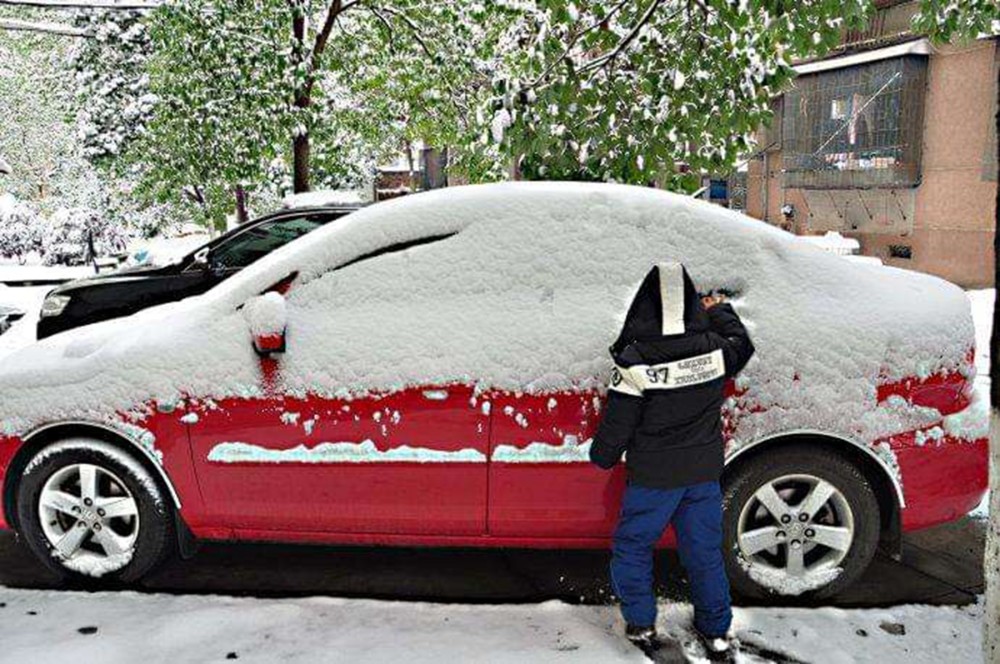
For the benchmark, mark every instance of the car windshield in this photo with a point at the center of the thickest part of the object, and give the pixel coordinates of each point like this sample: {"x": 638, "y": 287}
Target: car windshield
{"x": 261, "y": 239}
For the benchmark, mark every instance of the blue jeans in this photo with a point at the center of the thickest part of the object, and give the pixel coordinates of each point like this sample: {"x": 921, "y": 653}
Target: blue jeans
{"x": 696, "y": 514}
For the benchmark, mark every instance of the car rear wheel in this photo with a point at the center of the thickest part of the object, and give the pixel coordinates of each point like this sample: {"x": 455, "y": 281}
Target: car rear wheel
{"x": 89, "y": 510}
{"x": 800, "y": 520}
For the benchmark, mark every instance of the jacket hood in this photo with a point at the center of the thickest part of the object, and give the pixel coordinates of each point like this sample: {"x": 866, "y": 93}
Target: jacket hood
{"x": 667, "y": 305}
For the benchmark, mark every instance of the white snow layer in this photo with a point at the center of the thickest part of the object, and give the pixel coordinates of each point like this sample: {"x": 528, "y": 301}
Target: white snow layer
{"x": 570, "y": 451}
{"x": 135, "y": 627}
{"x": 324, "y": 197}
{"x": 266, "y": 314}
{"x": 526, "y": 293}
{"x": 363, "y": 452}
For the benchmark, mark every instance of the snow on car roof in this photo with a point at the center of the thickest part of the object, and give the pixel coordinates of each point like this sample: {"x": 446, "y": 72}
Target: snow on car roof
{"x": 519, "y": 286}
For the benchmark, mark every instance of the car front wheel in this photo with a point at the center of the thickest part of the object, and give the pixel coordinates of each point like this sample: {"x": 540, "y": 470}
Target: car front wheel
{"x": 799, "y": 520}
{"x": 89, "y": 510}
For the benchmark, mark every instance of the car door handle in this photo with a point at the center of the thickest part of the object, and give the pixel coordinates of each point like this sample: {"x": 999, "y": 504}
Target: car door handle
{"x": 435, "y": 395}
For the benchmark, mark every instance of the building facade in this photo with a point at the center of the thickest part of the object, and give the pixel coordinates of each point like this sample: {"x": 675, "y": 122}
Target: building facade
{"x": 892, "y": 141}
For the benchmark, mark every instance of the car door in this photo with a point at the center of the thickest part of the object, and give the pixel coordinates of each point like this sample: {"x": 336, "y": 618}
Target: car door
{"x": 338, "y": 459}
{"x": 542, "y": 484}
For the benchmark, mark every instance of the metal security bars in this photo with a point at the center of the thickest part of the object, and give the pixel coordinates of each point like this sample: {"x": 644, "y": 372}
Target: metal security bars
{"x": 857, "y": 127}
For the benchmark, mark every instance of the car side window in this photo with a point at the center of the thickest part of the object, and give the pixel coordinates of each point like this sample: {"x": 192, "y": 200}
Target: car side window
{"x": 260, "y": 240}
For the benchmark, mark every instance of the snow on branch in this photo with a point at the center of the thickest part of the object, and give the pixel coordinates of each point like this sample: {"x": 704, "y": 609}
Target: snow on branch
{"x": 49, "y": 28}
{"x": 85, "y": 4}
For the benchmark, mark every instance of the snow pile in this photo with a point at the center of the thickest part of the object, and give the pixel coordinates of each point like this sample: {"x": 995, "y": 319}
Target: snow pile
{"x": 266, "y": 315}
{"x": 522, "y": 288}
{"x": 834, "y": 242}
{"x": 782, "y": 583}
{"x": 133, "y": 627}
{"x": 329, "y": 197}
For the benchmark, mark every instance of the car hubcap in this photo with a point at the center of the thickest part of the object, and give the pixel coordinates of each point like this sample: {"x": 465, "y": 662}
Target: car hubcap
{"x": 794, "y": 532}
{"x": 90, "y": 518}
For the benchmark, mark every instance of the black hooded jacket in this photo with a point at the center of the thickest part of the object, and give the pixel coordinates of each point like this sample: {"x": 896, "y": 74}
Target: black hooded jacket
{"x": 664, "y": 401}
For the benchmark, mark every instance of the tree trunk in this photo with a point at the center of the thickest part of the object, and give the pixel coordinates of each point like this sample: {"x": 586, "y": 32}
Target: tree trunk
{"x": 300, "y": 160}
{"x": 300, "y": 142}
{"x": 241, "y": 205}
{"x": 991, "y": 565}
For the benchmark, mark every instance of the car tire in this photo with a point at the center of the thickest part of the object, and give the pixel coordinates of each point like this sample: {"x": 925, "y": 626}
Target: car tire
{"x": 801, "y": 561}
{"x": 116, "y": 531}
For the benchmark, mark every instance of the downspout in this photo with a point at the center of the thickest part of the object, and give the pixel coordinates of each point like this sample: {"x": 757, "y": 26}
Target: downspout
{"x": 765, "y": 186}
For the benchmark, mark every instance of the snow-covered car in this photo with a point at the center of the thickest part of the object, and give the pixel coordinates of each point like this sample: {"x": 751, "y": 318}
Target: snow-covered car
{"x": 430, "y": 371}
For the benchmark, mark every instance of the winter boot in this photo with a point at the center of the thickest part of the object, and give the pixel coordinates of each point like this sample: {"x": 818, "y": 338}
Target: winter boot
{"x": 644, "y": 637}
{"x": 718, "y": 648}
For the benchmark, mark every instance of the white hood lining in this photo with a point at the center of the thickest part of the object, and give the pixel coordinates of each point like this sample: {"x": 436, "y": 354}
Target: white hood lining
{"x": 672, "y": 297}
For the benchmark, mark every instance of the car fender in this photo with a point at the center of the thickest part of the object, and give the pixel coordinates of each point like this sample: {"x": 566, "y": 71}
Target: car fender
{"x": 881, "y": 463}
{"x": 83, "y": 425}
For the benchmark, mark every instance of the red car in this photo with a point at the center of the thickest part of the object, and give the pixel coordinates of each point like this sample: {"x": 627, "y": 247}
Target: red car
{"x": 430, "y": 370}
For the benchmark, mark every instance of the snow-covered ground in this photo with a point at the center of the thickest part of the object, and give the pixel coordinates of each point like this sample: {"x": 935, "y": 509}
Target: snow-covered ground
{"x": 45, "y": 626}
{"x": 12, "y": 271}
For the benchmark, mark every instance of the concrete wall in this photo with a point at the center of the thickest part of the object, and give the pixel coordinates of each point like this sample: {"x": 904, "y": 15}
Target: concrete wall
{"x": 951, "y": 230}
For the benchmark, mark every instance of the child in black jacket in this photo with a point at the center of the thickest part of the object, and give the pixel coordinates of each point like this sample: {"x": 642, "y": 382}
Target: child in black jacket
{"x": 672, "y": 359}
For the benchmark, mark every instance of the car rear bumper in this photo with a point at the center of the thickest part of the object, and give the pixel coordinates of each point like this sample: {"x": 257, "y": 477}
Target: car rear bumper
{"x": 944, "y": 476}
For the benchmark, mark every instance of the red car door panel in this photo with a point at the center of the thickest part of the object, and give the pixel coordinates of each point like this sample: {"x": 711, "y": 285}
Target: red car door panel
{"x": 541, "y": 481}
{"x": 406, "y": 462}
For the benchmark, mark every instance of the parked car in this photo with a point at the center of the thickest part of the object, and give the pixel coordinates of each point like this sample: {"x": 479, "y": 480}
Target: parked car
{"x": 9, "y": 316}
{"x": 126, "y": 291}
{"x": 430, "y": 371}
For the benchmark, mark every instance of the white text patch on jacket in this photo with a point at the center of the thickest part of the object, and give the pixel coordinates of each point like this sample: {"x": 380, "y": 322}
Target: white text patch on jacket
{"x": 638, "y": 378}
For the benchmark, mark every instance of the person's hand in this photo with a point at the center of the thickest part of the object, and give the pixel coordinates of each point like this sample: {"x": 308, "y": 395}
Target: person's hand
{"x": 709, "y": 301}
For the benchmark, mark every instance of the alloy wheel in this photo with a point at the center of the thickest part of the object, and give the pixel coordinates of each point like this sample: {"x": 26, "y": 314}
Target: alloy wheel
{"x": 794, "y": 532}
{"x": 89, "y": 517}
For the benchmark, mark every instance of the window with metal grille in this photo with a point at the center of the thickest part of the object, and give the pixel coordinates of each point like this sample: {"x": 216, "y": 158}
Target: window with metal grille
{"x": 859, "y": 126}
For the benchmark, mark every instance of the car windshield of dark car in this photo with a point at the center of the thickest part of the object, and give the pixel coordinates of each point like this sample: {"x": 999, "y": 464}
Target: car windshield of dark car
{"x": 260, "y": 240}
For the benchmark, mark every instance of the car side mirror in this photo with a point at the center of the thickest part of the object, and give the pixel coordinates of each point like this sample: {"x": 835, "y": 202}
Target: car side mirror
{"x": 201, "y": 258}
{"x": 267, "y": 318}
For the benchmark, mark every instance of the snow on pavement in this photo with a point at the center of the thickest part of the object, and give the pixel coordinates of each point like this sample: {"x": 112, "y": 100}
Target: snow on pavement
{"x": 46, "y": 626}
{"x": 161, "y": 628}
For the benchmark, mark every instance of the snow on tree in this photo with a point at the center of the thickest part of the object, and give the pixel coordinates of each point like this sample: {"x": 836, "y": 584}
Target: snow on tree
{"x": 641, "y": 91}
{"x": 113, "y": 100}
{"x": 20, "y": 228}
{"x": 35, "y": 99}
{"x": 298, "y": 91}
{"x": 76, "y": 236}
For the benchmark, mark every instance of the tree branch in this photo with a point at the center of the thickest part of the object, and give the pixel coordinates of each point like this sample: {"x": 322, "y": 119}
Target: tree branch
{"x": 628, "y": 39}
{"x": 324, "y": 34}
{"x": 573, "y": 41}
{"x": 84, "y": 4}
{"x": 414, "y": 29}
{"x": 48, "y": 28}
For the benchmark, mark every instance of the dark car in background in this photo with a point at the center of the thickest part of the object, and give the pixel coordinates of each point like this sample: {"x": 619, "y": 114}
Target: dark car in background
{"x": 122, "y": 293}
